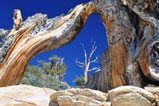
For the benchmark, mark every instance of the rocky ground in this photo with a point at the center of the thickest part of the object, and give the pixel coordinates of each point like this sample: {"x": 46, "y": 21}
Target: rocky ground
{"x": 25, "y": 95}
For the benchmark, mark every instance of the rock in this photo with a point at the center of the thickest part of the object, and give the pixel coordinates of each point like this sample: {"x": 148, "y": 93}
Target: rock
{"x": 77, "y": 101}
{"x": 80, "y": 103}
{"x": 131, "y": 99}
{"x": 75, "y": 91}
{"x": 106, "y": 104}
{"x": 53, "y": 104}
{"x": 88, "y": 99}
{"x": 25, "y": 95}
{"x": 154, "y": 90}
{"x": 98, "y": 95}
{"x": 65, "y": 100}
{"x": 132, "y": 96}
{"x": 55, "y": 95}
{"x": 79, "y": 97}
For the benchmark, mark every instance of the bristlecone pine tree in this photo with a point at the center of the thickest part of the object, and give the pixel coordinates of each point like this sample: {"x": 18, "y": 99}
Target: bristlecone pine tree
{"x": 132, "y": 32}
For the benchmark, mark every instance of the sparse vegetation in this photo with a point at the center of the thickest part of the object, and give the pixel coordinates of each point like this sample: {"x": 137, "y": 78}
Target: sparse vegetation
{"x": 79, "y": 81}
{"x": 50, "y": 75}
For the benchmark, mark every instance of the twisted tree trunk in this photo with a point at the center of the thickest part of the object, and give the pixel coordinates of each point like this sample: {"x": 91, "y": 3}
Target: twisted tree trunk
{"x": 36, "y": 35}
{"x": 132, "y": 33}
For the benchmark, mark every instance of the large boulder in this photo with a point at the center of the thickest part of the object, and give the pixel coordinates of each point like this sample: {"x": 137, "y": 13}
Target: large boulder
{"x": 79, "y": 97}
{"x": 155, "y": 91}
{"x": 25, "y": 95}
{"x": 131, "y": 96}
{"x": 121, "y": 96}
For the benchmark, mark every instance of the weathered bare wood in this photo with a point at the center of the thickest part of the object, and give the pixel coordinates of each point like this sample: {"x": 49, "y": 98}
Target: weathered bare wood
{"x": 36, "y": 35}
{"x": 148, "y": 55}
{"x": 121, "y": 40}
{"x": 88, "y": 61}
{"x": 132, "y": 32}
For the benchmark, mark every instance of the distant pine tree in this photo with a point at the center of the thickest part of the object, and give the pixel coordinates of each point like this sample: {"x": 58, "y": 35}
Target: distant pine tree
{"x": 79, "y": 81}
{"x": 50, "y": 75}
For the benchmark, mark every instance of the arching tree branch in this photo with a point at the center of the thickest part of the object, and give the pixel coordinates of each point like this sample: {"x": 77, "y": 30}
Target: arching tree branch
{"x": 132, "y": 32}
{"x": 36, "y": 35}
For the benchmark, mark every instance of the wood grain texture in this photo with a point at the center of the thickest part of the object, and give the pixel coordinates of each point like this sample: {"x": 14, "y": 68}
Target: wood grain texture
{"x": 132, "y": 32}
{"x": 29, "y": 41}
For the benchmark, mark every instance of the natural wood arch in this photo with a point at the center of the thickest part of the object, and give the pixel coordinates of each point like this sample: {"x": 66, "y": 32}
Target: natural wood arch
{"x": 130, "y": 44}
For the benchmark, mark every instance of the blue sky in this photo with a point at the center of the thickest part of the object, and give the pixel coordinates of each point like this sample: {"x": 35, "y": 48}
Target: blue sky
{"x": 93, "y": 30}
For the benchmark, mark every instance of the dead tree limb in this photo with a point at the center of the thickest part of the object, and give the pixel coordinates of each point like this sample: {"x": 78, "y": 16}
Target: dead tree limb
{"x": 36, "y": 35}
{"x": 88, "y": 60}
{"x": 132, "y": 32}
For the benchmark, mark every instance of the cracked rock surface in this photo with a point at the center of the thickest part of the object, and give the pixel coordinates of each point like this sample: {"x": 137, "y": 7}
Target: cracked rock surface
{"x": 79, "y": 97}
{"x": 25, "y": 95}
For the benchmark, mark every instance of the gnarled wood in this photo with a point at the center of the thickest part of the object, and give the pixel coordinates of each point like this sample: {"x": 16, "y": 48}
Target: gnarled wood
{"x": 132, "y": 33}
{"x": 121, "y": 41}
{"x": 36, "y": 35}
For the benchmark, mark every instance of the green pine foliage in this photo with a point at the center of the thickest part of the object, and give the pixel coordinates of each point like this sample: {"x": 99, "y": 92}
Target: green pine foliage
{"x": 50, "y": 75}
{"x": 79, "y": 81}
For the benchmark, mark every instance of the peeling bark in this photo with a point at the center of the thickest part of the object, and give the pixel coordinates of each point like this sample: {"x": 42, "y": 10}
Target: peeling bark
{"x": 132, "y": 33}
